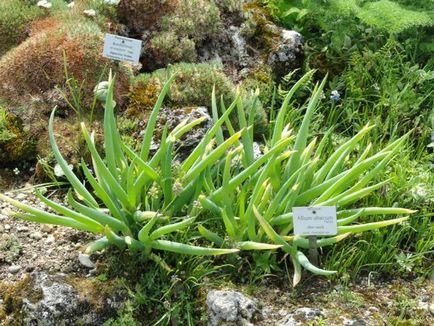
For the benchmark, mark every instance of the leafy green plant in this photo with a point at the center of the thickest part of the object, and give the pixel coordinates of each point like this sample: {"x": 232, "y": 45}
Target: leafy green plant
{"x": 255, "y": 197}
{"x": 15, "y": 15}
{"x": 384, "y": 87}
{"x": 128, "y": 185}
{"x": 242, "y": 201}
{"x": 391, "y": 17}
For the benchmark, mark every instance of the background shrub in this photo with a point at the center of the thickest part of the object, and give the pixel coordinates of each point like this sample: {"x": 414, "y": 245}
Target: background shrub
{"x": 15, "y": 17}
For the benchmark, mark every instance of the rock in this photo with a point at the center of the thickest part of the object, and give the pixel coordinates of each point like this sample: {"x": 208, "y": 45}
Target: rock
{"x": 85, "y": 260}
{"x": 431, "y": 308}
{"x": 355, "y": 322}
{"x": 287, "y": 55}
{"x": 229, "y": 306}
{"x": 301, "y": 316}
{"x": 36, "y": 235}
{"x": 175, "y": 116}
{"x": 47, "y": 228}
{"x": 14, "y": 269}
{"x": 257, "y": 151}
{"x": 21, "y": 196}
{"x": 22, "y": 229}
{"x": 7, "y": 227}
{"x": 53, "y": 300}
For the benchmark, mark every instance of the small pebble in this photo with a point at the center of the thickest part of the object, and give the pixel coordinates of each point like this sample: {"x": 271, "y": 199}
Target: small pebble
{"x": 373, "y": 309}
{"x": 22, "y": 229}
{"x": 50, "y": 239}
{"x": 36, "y": 235}
{"x": 30, "y": 269}
{"x": 7, "y": 211}
{"x": 7, "y": 227}
{"x": 47, "y": 228}
{"x": 431, "y": 308}
{"x": 14, "y": 269}
{"x": 20, "y": 196}
{"x": 85, "y": 260}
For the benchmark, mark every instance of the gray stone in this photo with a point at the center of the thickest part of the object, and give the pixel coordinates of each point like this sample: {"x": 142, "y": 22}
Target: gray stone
{"x": 21, "y": 196}
{"x": 60, "y": 304}
{"x": 36, "y": 235}
{"x": 173, "y": 117}
{"x": 301, "y": 316}
{"x": 47, "y": 228}
{"x": 14, "y": 269}
{"x": 355, "y": 322}
{"x": 229, "y": 306}
{"x": 85, "y": 260}
{"x": 288, "y": 55}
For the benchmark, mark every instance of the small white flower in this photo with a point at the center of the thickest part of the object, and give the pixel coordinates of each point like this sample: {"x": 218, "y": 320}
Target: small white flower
{"x": 335, "y": 96}
{"x": 71, "y": 5}
{"x": 90, "y": 13}
{"x": 44, "y": 4}
{"x": 58, "y": 172}
{"x": 16, "y": 171}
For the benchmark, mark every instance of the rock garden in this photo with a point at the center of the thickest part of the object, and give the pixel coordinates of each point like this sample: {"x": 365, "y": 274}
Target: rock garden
{"x": 262, "y": 162}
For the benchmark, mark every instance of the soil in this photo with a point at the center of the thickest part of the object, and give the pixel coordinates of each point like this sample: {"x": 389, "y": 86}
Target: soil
{"x": 27, "y": 247}
{"x": 367, "y": 302}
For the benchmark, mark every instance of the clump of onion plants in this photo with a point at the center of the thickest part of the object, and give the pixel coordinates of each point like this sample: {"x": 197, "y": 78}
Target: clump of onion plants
{"x": 126, "y": 197}
{"x": 254, "y": 197}
{"x": 236, "y": 199}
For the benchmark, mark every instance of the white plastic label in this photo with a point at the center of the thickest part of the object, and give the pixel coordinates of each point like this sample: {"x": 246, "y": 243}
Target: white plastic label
{"x": 320, "y": 220}
{"x": 122, "y": 48}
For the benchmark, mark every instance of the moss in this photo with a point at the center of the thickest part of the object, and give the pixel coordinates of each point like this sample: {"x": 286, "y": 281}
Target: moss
{"x": 197, "y": 20}
{"x": 192, "y": 87}
{"x": 173, "y": 29}
{"x": 10, "y": 248}
{"x": 259, "y": 28}
{"x": 140, "y": 15}
{"x": 92, "y": 290}
{"x": 15, "y": 142}
{"x": 168, "y": 47}
{"x": 260, "y": 79}
{"x": 12, "y": 296}
{"x": 24, "y": 75}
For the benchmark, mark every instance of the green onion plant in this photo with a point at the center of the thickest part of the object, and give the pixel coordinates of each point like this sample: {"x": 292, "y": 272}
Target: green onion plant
{"x": 222, "y": 192}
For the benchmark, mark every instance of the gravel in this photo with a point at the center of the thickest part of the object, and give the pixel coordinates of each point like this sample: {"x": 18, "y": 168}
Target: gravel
{"x": 37, "y": 247}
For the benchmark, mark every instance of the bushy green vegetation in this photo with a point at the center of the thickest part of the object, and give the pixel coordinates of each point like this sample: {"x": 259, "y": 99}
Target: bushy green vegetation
{"x": 382, "y": 72}
{"x": 192, "y": 84}
{"x": 240, "y": 202}
{"x": 15, "y": 17}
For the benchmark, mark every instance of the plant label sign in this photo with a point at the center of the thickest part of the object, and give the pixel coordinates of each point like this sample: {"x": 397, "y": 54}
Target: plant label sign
{"x": 315, "y": 221}
{"x": 122, "y": 48}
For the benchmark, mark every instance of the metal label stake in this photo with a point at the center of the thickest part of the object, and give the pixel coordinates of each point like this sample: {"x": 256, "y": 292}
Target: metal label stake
{"x": 313, "y": 250}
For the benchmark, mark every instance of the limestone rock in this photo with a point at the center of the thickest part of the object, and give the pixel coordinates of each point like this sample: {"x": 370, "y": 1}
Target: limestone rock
{"x": 57, "y": 300}
{"x": 301, "y": 316}
{"x": 287, "y": 55}
{"x": 229, "y": 306}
